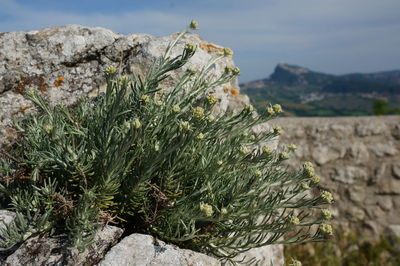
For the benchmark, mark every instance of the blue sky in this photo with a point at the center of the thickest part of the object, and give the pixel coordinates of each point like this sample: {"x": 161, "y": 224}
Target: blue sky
{"x": 333, "y": 36}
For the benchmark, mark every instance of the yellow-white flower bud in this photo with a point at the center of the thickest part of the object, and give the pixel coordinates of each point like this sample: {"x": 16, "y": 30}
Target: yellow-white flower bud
{"x": 211, "y": 99}
{"x": 198, "y": 112}
{"x": 194, "y": 25}
{"x": 206, "y": 209}
{"x": 277, "y": 108}
{"x": 283, "y": 156}
{"x": 200, "y": 136}
{"x": 136, "y": 123}
{"x": 327, "y": 196}
{"x": 48, "y": 128}
{"x": 292, "y": 147}
{"x": 176, "y": 108}
{"x": 277, "y": 130}
{"x": 190, "y": 47}
{"x": 326, "y": 229}
{"x": 244, "y": 150}
{"x": 294, "y": 220}
{"x": 270, "y": 111}
{"x": 326, "y": 214}
{"x": 267, "y": 150}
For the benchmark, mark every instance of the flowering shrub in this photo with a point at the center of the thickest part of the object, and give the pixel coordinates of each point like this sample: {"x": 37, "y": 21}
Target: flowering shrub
{"x": 158, "y": 162}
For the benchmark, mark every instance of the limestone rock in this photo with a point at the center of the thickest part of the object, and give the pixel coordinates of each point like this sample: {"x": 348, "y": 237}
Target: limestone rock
{"x": 359, "y": 152}
{"x": 383, "y": 149}
{"x": 396, "y": 170}
{"x": 365, "y": 129}
{"x": 267, "y": 255}
{"x": 390, "y": 187}
{"x": 355, "y": 214}
{"x": 385, "y": 203}
{"x": 67, "y": 62}
{"x": 393, "y": 230}
{"x": 323, "y": 154}
{"x": 52, "y": 250}
{"x": 144, "y": 250}
{"x": 349, "y": 174}
{"x": 6, "y": 217}
{"x": 357, "y": 194}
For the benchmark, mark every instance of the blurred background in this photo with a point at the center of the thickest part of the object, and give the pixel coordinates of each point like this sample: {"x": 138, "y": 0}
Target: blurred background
{"x": 317, "y": 59}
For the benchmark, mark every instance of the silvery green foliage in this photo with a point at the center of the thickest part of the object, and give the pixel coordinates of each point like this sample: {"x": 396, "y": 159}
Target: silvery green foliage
{"x": 157, "y": 162}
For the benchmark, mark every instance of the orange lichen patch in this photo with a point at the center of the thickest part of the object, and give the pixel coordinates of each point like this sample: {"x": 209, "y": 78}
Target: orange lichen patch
{"x": 20, "y": 88}
{"x": 10, "y": 131}
{"x": 43, "y": 87}
{"x": 234, "y": 92}
{"x": 59, "y": 81}
{"x": 212, "y": 48}
{"x": 225, "y": 89}
{"x": 22, "y": 110}
{"x": 26, "y": 82}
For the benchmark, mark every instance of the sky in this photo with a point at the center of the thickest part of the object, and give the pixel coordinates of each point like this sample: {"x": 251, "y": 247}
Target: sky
{"x": 332, "y": 36}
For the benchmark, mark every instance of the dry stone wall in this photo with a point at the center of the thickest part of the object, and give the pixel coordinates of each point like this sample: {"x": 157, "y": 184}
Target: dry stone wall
{"x": 358, "y": 159}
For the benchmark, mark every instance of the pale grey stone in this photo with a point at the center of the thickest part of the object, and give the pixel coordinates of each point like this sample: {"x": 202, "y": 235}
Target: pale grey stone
{"x": 342, "y": 130}
{"x": 389, "y": 187}
{"x": 357, "y": 193}
{"x": 396, "y": 170}
{"x": 267, "y": 255}
{"x": 379, "y": 174}
{"x": 375, "y": 212}
{"x": 359, "y": 152}
{"x": 323, "y": 154}
{"x": 349, "y": 174}
{"x": 53, "y": 250}
{"x": 6, "y": 217}
{"x": 145, "y": 250}
{"x": 385, "y": 202}
{"x": 383, "y": 149}
{"x": 354, "y": 213}
{"x": 393, "y": 230}
{"x": 368, "y": 129}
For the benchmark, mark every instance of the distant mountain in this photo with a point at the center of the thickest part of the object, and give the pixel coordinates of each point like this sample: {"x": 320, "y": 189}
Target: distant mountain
{"x": 303, "y": 92}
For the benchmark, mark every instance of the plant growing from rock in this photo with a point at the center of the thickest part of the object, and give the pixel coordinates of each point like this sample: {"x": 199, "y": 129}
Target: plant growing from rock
{"x": 158, "y": 162}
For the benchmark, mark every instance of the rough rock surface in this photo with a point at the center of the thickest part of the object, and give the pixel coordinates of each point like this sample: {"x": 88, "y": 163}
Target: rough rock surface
{"x": 359, "y": 164}
{"x": 52, "y": 251}
{"x": 6, "y": 217}
{"x": 144, "y": 250}
{"x": 267, "y": 255}
{"x": 67, "y": 62}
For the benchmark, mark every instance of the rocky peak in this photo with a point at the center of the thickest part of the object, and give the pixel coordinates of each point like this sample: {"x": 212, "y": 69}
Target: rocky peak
{"x": 296, "y": 70}
{"x": 289, "y": 74}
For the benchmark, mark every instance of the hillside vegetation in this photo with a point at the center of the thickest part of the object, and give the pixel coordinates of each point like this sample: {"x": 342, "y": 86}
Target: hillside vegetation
{"x": 303, "y": 92}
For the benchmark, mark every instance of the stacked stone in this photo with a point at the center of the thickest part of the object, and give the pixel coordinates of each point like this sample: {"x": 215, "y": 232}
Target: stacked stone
{"x": 358, "y": 161}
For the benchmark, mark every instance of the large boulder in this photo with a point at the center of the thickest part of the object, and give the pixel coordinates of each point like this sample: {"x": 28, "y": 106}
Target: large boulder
{"x": 67, "y": 62}
{"x": 145, "y": 250}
